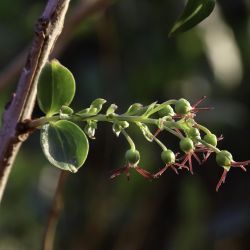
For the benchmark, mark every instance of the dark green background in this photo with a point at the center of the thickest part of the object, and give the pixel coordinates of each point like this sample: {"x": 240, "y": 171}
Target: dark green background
{"x": 124, "y": 55}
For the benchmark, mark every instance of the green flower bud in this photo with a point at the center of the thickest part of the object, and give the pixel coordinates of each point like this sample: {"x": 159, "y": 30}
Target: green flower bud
{"x": 111, "y": 110}
{"x": 66, "y": 110}
{"x": 83, "y": 112}
{"x": 182, "y": 107}
{"x": 224, "y": 158}
{"x": 97, "y": 103}
{"x": 168, "y": 157}
{"x": 186, "y": 145}
{"x": 134, "y": 109}
{"x": 90, "y": 128}
{"x": 96, "y": 106}
{"x": 132, "y": 156}
{"x": 211, "y": 139}
{"x": 93, "y": 110}
{"x": 119, "y": 126}
{"x": 167, "y": 110}
{"x": 194, "y": 133}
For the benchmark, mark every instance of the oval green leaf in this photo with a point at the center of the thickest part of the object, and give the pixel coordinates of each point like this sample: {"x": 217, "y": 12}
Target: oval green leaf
{"x": 194, "y": 12}
{"x": 65, "y": 145}
{"x": 56, "y": 87}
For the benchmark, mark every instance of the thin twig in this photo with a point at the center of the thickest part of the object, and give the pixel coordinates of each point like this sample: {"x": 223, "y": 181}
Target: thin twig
{"x": 55, "y": 211}
{"x": 48, "y": 28}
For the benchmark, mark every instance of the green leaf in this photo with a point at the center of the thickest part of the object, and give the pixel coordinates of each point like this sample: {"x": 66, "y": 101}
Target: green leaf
{"x": 65, "y": 145}
{"x": 56, "y": 87}
{"x": 195, "y": 11}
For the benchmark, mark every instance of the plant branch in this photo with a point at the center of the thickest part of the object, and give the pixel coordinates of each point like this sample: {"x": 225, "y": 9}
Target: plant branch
{"x": 48, "y": 28}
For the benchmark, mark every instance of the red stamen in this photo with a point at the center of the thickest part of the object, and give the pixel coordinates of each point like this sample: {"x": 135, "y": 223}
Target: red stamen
{"x": 222, "y": 179}
{"x": 118, "y": 172}
{"x": 238, "y": 163}
{"x": 144, "y": 173}
{"x": 203, "y": 149}
{"x": 190, "y": 164}
{"x": 174, "y": 169}
{"x": 158, "y": 174}
{"x": 206, "y": 156}
{"x": 195, "y": 110}
{"x": 196, "y": 158}
{"x": 185, "y": 159}
{"x": 180, "y": 165}
{"x": 199, "y": 101}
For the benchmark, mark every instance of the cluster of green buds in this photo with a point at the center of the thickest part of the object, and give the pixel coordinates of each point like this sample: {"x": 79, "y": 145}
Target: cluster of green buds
{"x": 195, "y": 140}
{"x": 65, "y": 133}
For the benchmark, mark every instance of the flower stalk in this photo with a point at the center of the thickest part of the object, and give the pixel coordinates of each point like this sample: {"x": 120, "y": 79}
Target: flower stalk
{"x": 176, "y": 117}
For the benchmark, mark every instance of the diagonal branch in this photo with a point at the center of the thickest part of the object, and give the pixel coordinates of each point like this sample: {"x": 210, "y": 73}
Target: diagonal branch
{"x": 48, "y": 28}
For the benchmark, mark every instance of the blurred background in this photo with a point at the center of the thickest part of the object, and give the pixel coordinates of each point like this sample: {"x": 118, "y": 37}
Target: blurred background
{"x": 120, "y": 51}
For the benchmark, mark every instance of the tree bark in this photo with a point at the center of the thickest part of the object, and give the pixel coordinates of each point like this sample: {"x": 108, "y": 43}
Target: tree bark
{"x": 47, "y": 30}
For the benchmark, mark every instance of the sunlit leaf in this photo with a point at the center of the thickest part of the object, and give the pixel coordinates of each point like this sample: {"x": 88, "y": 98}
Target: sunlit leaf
{"x": 195, "y": 11}
{"x": 56, "y": 87}
{"x": 65, "y": 145}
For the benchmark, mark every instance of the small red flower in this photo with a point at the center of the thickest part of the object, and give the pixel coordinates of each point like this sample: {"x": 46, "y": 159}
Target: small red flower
{"x": 225, "y": 160}
{"x": 126, "y": 169}
{"x": 132, "y": 157}
{"x": 184, "y": 109}
{"x": 226, "y": 170}
{"x": 169, "y": 158}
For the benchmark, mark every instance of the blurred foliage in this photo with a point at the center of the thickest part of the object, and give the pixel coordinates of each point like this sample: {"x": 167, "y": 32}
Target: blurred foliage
{"x": 124, "y": 55}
